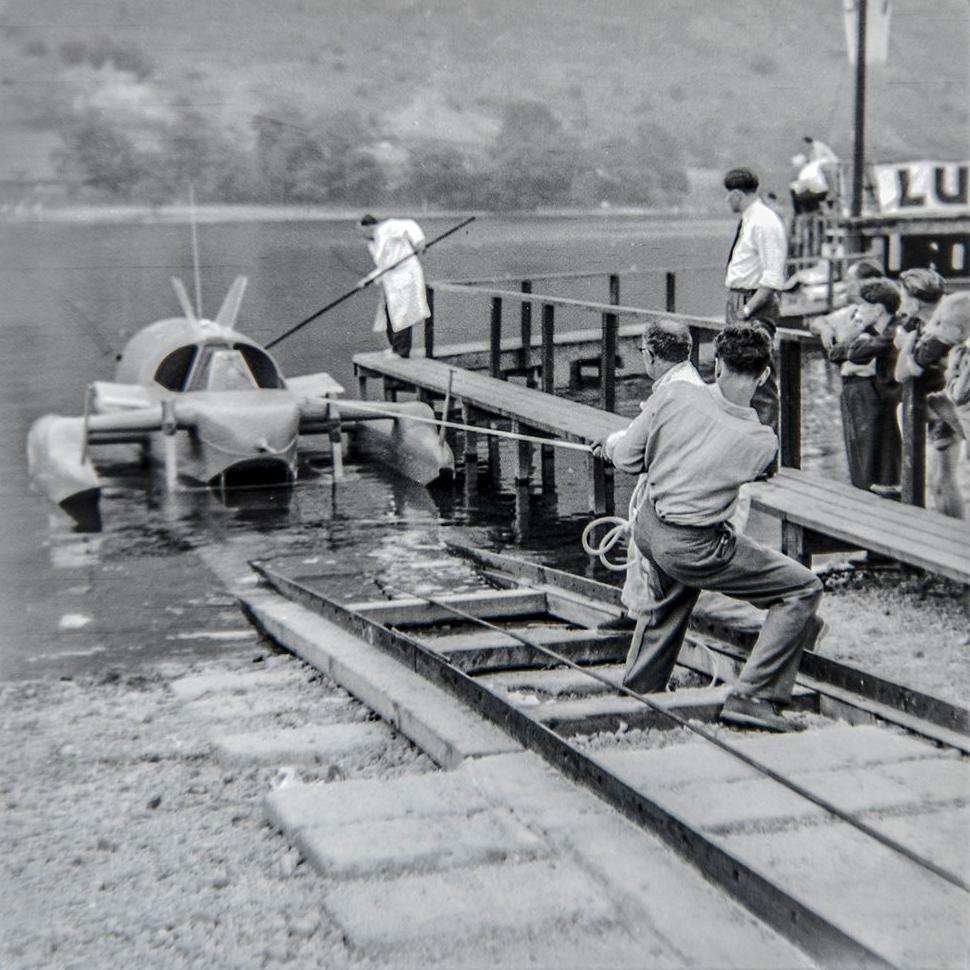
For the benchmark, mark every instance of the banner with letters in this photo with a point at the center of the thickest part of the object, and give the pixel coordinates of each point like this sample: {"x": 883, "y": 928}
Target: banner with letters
{"x": 922, "y": 188}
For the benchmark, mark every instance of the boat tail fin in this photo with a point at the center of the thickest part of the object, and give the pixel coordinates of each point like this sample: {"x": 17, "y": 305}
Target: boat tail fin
{"x": 230, "y": 305}
{"x": 183, "y": 297}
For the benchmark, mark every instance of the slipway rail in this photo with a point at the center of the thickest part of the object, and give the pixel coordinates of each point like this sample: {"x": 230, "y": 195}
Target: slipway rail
{"x": 477, "y": 667}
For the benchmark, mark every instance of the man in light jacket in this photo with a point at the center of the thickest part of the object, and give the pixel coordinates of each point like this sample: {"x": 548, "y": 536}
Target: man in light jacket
{"x": 394, "y": 245}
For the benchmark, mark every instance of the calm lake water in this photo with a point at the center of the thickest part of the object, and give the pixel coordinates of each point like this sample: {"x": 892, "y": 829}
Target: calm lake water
{"x": 150, "y": 584}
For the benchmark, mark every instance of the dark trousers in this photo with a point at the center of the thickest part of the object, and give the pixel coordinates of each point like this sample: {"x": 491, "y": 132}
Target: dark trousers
{"x": 765, "y": 400}
{"x": 690, "y": 559}
{"x": 400, "y": 340}
{"x": 873, "y": 445}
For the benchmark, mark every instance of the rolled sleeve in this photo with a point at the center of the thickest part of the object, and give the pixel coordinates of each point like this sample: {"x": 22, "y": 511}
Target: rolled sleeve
{"x": 629, "y": 449}
{"x": 771, "y": 243}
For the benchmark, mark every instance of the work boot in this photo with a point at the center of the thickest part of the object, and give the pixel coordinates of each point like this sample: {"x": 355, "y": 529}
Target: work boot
{"x": 756, "y": 713}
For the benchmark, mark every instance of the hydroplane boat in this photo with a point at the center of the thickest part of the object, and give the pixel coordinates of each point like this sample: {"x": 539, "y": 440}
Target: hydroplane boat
{"x": 210, "y": 405}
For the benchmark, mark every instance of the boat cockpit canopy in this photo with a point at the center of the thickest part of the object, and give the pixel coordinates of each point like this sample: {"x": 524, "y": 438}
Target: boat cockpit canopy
{"x": 218, "y": 367}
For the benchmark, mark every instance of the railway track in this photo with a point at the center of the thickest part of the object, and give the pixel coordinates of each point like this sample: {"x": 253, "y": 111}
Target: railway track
{"x": 863, "y": 812}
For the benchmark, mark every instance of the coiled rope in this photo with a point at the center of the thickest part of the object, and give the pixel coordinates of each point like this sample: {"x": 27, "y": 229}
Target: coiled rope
{"x": 620, "y": 530}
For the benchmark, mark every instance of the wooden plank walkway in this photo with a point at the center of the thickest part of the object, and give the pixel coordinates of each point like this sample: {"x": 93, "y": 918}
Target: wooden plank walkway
{"x": 808, "y": 506}
{"x": 556, "y": 416}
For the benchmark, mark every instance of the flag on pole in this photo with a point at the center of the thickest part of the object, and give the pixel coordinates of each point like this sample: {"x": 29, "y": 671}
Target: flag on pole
{"x": 877, "y": 29}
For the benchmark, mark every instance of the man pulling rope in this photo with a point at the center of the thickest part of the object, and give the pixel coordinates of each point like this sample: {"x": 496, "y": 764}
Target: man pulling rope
{"x": 697, "y": 445}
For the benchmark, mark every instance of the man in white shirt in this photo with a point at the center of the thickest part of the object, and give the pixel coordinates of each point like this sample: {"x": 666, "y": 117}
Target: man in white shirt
{"x": 404, "y": 299}
{"x": 755, "y": 273}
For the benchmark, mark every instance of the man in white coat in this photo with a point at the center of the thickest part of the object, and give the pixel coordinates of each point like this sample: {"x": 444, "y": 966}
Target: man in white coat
{"x": 403, "y": 300}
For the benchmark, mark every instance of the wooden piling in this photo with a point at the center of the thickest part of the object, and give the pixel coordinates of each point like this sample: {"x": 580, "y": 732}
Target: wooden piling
{"x": 523, "y": 456}
{"x": 495, "y": 339}
{"x": 525, "y": 329}
{"x": 548, "y": 348}
{"x": 913, "y": 472}
{"x": 790, "y": 403}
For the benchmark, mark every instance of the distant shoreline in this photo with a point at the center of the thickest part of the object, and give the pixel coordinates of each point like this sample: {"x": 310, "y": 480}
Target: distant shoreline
{"x": 209, "y": 214}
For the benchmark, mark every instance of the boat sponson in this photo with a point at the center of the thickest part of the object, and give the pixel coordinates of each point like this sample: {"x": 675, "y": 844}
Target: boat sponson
{"x": 57, "y": 459}
{"x": 413, "y": 448}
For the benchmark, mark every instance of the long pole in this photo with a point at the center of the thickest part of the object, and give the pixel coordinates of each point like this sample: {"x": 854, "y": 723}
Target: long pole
{"x": 859, "y": 148}
{"x": 350, "y": 293}
{"x": 195, "y": 252}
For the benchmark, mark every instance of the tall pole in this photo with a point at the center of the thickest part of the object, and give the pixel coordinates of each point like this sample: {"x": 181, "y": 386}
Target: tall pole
{"x": 859, "y": 152}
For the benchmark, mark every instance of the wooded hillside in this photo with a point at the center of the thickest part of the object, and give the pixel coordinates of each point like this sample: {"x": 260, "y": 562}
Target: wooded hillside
{"x": 487, "y": 103}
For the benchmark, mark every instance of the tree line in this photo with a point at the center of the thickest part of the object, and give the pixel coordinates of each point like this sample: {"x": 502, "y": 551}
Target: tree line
{"x": 289, "y": 157}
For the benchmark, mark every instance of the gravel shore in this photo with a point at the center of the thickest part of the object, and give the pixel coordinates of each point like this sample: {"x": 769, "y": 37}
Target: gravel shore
{"x": 128, "y": 843}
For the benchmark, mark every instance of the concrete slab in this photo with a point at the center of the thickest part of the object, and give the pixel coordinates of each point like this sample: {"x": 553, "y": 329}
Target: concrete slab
{"x": 242, "y": 708}
{"x": 942, "y": 836}
{"x": 586, "y": 715}
{"x": 762, "y": 804}
{"x": 431, "y": 718}
{"x": 903, "y": 912}
{"x": 313, "y": 744}
{"x": 416, "y": 844}
{"x": 693, "y": 924}
{"x": 259, "y": 678}
{"x": 448, "y": 910}
{"x": 337, "y": 804}
{"x": 832, "y": 748}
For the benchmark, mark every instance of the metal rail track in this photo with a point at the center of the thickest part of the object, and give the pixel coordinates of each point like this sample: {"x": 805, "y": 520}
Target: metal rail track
{"x": 844, "y": 685}
{"x": 819, "y": 935}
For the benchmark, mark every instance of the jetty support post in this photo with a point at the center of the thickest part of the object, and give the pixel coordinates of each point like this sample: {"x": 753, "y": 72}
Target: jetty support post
{"x": 429, "y": 325}
{"x": 608, "y": 361}
{"x": 494, "y": 456}
{"x": 169, "y": 427}
{"x": 670, "y": 301}
{"x": 611, "y": 326}
{"x": 495, "y": 339}
{"x": 548, "y": 348}
{"x": 336, "y": 445}
{"x": 913, "y": 472}
{"x": 548, "y": 352}
{"x": 790, "y": 403}
{"x": 525, "y": 329}
{"x": 523, "y": 456}
{"x": 470, "y": 449}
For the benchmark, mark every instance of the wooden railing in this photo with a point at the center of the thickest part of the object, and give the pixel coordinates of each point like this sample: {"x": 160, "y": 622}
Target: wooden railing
{"x": 617, "y": 321}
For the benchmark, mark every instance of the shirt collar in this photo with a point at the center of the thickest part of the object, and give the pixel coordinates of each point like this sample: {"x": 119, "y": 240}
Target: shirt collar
{"x": 736, "y": 409}
{"x": 671, "y": 375}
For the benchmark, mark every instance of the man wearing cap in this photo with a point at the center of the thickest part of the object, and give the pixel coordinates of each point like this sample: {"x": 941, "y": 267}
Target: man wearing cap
{"x": 755, "y": 273}
{"x": 394, "y": 245}
{"x": 924, "y": 344}
{"x": 869, "y": 399}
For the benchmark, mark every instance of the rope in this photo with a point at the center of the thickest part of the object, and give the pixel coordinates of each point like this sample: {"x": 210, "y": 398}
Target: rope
{"x": 759, "y": 766}
{"x": 619, "y": 531}
{"x": 474, "y": 429}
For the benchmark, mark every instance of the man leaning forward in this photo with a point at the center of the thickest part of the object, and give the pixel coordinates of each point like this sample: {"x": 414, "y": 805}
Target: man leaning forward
{"x": 697, "y": 445}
